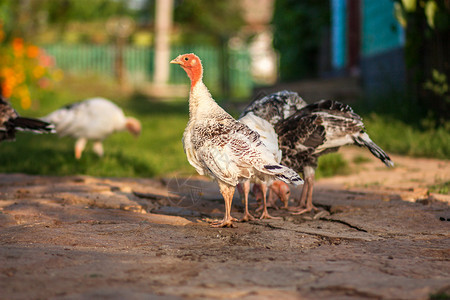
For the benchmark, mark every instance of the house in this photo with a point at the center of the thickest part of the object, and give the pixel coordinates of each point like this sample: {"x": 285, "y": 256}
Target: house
{"x": 367, "y": 42}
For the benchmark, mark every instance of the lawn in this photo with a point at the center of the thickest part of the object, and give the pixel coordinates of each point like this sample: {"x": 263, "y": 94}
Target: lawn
{"x": 158, "y": 151}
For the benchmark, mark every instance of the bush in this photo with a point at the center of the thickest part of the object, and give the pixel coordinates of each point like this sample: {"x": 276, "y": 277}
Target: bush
{"x": 24, "y": 69}
{"x": 396, "y": 136}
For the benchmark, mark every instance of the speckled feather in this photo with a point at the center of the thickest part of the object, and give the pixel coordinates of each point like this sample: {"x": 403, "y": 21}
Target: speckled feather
{"x": 275, "y": 107}
{"x": 266, "y": 132}
{"x": 321, "y": 128}
{"x": 6, "y": 113}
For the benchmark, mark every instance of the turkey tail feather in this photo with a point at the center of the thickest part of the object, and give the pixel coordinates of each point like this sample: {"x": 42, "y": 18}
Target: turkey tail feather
{"x": 364, "y": 140}
{"x": 34, "y": 125}
{"x": 284, "y": 174}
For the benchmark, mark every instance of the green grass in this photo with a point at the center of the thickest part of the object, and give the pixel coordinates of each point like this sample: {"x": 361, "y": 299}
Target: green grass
{"x": 158, "y": 151}
{"x": 332, "y": 164}
{"x": 440, "y": 296}
{"x": 400, "y": 125}
{"x": 441, "y": 188}
{"x": 360, "y": 159}
{"x": 396, "y": 136}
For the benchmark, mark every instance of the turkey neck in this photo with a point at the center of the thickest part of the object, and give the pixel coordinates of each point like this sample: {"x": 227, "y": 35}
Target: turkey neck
{"x": 200, "y": 100}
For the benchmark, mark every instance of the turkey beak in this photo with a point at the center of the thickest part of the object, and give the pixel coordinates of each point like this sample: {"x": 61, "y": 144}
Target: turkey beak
{"x": 176, "y": 61}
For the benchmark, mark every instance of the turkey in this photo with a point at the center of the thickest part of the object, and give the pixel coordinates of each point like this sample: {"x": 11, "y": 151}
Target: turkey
{"x": 93, "y": 119}
{"x": 10, "y": 122}
{"x": 271, "y": 108}
{"x": 221, "y": 147}
{"x": 270, "y": 139}
{"x": 309, "y": 131}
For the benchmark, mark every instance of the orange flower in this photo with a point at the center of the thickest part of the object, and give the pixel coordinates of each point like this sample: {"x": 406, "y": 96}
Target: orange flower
{"x": 7, "y": 72}
{"x": 24, "y": 66}
{"x": 17, "y": 44}
{"x": 18, "y": 47}
{"x": 32, "y": 51}
{"x": 6, "y": 90}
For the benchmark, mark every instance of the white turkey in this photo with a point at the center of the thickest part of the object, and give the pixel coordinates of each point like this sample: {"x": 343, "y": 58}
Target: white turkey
{"x": 309, "y": 131}
{"x": 93, "y": 119}
{"x": 10, "y": 122}
{"x": 221, "y": 147}
{"x": 260, "y": 115}
{"x": 270, "y": 139}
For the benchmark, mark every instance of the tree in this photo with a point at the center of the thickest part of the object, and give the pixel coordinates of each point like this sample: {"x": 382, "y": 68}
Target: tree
{"x": 297, "y": 36}
{"x": 206, "y": 21}
{"x": 427, "y": 49}
{"x": 211, "y": 22}
{"x": 26, "y": 19}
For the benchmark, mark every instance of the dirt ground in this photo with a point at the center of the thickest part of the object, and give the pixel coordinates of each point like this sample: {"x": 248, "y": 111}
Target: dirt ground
{"x": 381, "y": 234}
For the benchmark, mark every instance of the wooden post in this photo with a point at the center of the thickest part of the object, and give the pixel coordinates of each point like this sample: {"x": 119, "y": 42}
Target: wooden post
{"x": 118, "y": 62}
{"x": 163, "y": 25}
{"x": 120, "y": 28}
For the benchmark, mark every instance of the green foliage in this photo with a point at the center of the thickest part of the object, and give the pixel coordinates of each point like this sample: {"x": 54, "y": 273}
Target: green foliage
{"x": 438, "y": 84}
{"x": 435, "y": 12}
{"x": 28, "y": 19}
{"x": 208, "y": 21}
{"x": 360, "y": 159}
{"x": 84, "y": 10}
{"x": 427, "y": 24}
{"x": 441, "y": 188}
{"x": 297, "y": 35}
{"x": 440, "y": 296}
{"x": 332, "y": 164}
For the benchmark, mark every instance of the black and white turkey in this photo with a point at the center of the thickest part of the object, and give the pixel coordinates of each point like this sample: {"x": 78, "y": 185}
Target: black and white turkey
{"x": 307, "y": 131}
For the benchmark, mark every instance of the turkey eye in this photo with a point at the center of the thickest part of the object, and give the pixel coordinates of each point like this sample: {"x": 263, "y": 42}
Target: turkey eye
{"x": 186, "y": 59}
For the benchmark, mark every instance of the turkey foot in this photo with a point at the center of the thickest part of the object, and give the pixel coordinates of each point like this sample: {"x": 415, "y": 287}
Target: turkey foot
{"x": 247, "y": 217}
{"x": 265, "y": 215}
{"x": 224, "y": 223}
{"x": 298, "y": 210}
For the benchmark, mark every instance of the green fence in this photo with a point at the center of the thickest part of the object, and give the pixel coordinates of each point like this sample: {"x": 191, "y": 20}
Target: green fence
{"x": 139, "y": 65}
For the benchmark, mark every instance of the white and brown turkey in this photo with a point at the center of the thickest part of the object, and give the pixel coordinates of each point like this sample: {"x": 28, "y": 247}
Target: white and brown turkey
{"x": 219, "y": 146}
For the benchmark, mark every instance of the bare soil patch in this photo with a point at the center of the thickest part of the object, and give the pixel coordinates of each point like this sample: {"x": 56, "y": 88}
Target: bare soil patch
{"x": 382, "y": 235}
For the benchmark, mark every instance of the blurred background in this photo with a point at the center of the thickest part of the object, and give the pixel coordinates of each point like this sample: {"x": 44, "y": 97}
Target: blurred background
{"x": 388, "y": 59}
